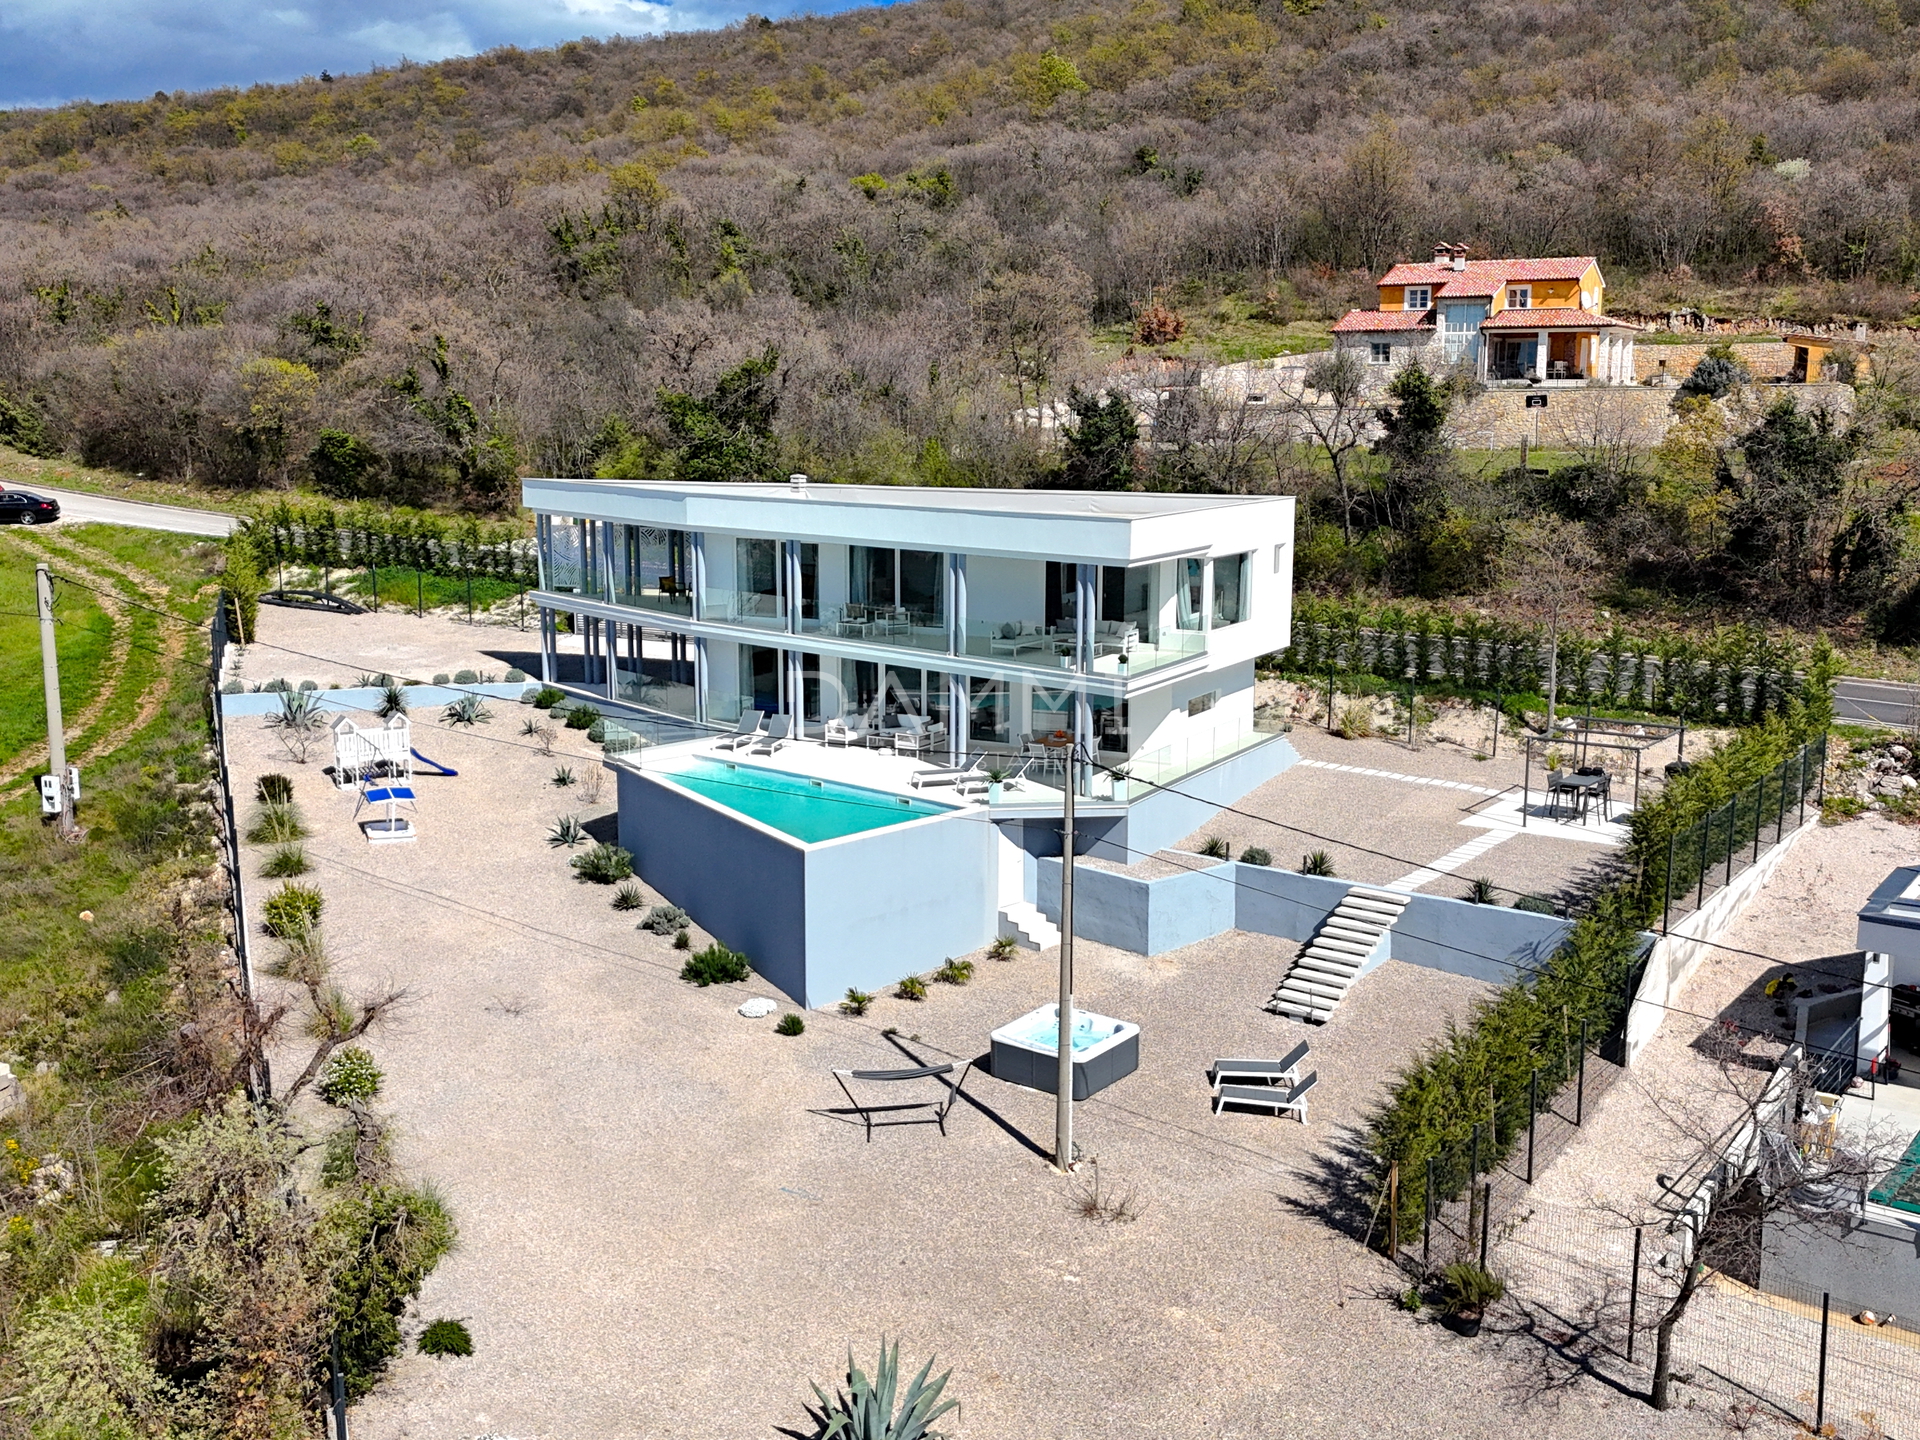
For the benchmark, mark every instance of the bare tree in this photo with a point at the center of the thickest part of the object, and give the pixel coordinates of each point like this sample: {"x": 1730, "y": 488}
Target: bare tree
{"x": 1754, "y": 1167}
{"x": 1550, "y": 564}
{"x": 333, "y": 1018}
{"x": 1330, "y": 406}
{"x": 1028, "y": 319}
{"x": 1205, "y": 431}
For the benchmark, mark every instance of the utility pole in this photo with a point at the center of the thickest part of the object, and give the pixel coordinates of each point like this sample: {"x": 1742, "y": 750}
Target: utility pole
{"x": 1063, "y": 1083}
{"x": 62, "y": 787}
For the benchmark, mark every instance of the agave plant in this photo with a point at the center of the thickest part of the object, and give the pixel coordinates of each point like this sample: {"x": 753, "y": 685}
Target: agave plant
{"x": 866, "y": 1410}
{"x": 567, "y": 831}
{"x": 393, "y": 701}
{"x": 467, "y": 710}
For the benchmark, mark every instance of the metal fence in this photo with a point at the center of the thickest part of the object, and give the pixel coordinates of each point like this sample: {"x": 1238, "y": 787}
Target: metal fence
{"x": 1597, "y": 1289}
{"x": 259, "y": 1080}
{"x": 1706, "y": 856}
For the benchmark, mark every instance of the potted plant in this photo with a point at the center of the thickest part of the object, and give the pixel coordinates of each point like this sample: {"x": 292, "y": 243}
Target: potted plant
{"x": 995, "y": 775}
{"x": 1121, "y": 775}
{"x": 1465, "y": 1293}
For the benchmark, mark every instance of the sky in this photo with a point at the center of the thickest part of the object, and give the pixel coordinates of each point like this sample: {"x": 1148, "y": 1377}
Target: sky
{"x": 53, "y": 51}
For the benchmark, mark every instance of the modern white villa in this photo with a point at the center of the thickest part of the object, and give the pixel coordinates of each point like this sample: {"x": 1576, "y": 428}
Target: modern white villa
{"x": 893, "y": 630}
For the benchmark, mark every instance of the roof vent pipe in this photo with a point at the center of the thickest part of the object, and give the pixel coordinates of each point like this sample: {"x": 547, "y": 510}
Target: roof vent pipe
{"x": 798, "y": 482}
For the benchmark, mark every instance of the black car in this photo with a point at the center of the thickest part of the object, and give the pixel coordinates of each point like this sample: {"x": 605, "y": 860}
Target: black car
{"x": 20, "y": 507}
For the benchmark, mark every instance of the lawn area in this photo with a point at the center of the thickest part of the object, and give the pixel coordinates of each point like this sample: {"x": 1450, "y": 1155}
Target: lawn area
{"x": 23, "y": 472}
{"x": 1227, "y": 331}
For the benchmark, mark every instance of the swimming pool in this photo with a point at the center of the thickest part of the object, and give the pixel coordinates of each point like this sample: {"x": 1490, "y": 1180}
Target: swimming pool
{"x": 807, "y": 809}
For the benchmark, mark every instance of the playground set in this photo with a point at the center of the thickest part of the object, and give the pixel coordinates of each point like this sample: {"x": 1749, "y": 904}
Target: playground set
{"x": 377, "y": 763}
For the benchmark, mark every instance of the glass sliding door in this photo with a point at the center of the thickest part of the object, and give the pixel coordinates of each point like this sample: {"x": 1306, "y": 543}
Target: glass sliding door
{"x": 759, "y": 591}
{"x": 652, "y": 568}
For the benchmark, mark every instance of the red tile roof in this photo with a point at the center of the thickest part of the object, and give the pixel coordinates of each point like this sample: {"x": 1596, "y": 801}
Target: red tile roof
{"x": 1556, "y": 319}
{"x": 1485, "y": 277}
{"x": 1363, "y": 321}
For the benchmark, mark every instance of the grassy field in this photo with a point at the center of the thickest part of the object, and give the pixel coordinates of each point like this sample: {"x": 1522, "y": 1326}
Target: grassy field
{"x": 23, "y": 472}
{"x": 84, "y": 640}
{"x": 1225, "y": 330}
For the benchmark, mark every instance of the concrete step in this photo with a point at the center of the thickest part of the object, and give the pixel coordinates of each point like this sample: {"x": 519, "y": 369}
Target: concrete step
{"x": 1023, "y": 923}
{"x": 1323, "y": 969}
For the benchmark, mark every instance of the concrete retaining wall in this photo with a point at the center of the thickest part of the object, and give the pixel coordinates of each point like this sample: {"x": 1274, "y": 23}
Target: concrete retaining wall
{"x": 1865, "y": 1263}
{"x": 860, "y": 911}
{"x": 1674, "y": 956}
{"x": 1150, "y": 917}
{"x": 360, "y": 697}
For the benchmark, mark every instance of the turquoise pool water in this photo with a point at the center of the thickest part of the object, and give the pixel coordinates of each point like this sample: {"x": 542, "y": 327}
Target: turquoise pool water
{"x": 807, "y": 809}
{"x": 1041, "y": 1031}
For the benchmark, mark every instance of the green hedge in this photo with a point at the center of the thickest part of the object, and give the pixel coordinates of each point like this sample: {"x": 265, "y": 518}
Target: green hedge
{"x": 1479, "y": 1073}
{"x": 356, "y": 536}
{"x": 1735, "y": 675}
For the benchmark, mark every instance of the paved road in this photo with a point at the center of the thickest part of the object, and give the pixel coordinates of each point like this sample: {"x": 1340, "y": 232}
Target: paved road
{"x": 1886, "y": 702}
{"x": 78, "y": 505}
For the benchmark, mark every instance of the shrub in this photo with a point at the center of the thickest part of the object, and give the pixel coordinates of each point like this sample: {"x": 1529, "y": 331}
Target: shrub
{"x": 629, "y": 896}
{"x": 275, "y": 687}
{"x": 563, "y": 776}
{"x": 1466, "y": 1289}
{"x": 683, "y": 939}
{"x": 1158, "y": 324}
{"x": 350, "y": 1075}
{"x": 277, "y": 825}
{"x": 548, "y": 696}
{"x": 716, "y": 965}
{"x": 441, "y": 678}
{"x": 292, "y": 910}
{"x": 465, "y": 677}
{"x": 395, "y": 1237}
{"x": 445, "y": 1337}
{"x": 911, "y": 988}
{"x": 1538, "y": 904}
{"x": 790, "y": 1024}
{"x": 515, "y": 675}
{"x": 603, "y": 864}
{"x": 393, "y": 701}
{"x": 954, "y": 972}
{"x": 567, "y": 831}
{"x": 467, "y": 710}
{"x": 665, "y": 919}
{"x": 1216, "y": 848}
{"x": 1356, "y": 720}
{"x": 1316, "y": 862}
{"x": 273, "y": 790}
{"x": 1004, "y": 947}
{"x": 1480, "y": 892}
{"x": 597, "y": 732}
{"x": 581, "y": 717}
{"x": 560, "y": 711}
{"x": 309, "y": 685}
{"x": 285, "y": 863}
{"x": 1255, "y": 855}
{"x": 856, "y": 1002}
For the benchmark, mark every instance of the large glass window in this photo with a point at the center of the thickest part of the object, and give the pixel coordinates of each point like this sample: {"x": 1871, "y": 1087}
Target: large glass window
{"x": 568, "y": 561}
{"x": 1192, "y": 592}
{"x": 921, "y": 589}
{"x": 987, "y": 711}
{"x": 758, "y": 592}
{"x": 652, "y": 569}
{"x": 1230, "y": 573}
{"x": 870, "y": 576}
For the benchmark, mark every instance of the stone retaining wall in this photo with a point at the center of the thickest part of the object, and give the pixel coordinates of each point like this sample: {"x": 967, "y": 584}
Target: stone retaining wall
{"x": 1767, "y": 359}
{"x": 1576, "y": 414}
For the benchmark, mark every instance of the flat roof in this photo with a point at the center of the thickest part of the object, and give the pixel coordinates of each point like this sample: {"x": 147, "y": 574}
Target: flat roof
{"x": 1893, "y": 907}
{"x": 1064, "y": 504}
{"x": 1106, "y": 527}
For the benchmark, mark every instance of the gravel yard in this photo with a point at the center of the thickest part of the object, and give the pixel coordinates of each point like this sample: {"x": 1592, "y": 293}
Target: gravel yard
{"x": 665, "y": 1231}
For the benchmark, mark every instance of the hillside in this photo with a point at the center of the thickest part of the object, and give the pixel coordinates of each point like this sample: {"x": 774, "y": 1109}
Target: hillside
{"x": 415, "y": 282}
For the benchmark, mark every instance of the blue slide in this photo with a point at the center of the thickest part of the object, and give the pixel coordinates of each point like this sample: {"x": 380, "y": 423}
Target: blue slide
{"x": 434, "y": 766}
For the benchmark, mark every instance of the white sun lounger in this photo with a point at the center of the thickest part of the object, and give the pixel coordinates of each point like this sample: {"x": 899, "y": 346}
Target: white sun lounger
{"x": 946, "y": 775}
{"x": 1279, "y": 1099}
{"x": 1271, "y": 1072}
{"x": 773, "y": 737}
{"x": 745, "y": 733}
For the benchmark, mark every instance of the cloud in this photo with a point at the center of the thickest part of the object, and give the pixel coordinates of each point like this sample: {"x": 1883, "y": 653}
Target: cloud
{"x": 52, "y": 51}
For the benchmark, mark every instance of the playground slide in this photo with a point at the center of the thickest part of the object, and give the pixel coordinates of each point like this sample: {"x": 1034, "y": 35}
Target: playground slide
{"x": 436, "y": 767}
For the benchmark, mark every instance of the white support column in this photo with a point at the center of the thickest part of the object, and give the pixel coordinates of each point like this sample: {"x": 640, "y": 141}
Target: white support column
{"x": 1540, "y": 355}
{"x": 546, "y": 646}
{"x": 702, "y": 676}
{"x": 612, "y": 649}
{"x": 959, "y": 714}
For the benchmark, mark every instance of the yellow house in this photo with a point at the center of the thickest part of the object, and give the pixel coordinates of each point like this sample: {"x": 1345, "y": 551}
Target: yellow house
{"x": 1811, "y": 353}
{"x": 1537, "y": 320}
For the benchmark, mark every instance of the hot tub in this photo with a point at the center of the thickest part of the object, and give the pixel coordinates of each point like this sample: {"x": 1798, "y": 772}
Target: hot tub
{"x": 1027, "y": 1051}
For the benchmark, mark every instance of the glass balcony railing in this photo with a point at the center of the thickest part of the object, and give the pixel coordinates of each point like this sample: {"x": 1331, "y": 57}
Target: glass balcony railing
{"x": 746, "y": 607}
{"x": 665, "y": 596}
{"x": 909, "y": 629}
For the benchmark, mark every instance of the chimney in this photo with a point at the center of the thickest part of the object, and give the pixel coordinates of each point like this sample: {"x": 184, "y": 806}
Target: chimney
{"x": 799, "y": 483}
{"x": 1459, "y": 257}
{"x": 1442, "y": 253}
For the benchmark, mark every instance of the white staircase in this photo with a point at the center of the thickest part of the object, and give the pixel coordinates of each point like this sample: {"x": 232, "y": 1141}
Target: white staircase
{"x": 1023, "y": 922}
{"x": 1329, "y": 962}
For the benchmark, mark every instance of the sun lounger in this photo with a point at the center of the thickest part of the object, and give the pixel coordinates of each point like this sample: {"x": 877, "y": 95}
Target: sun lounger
{"x": 1269, "y": 1072}
{"x": 775, "y": 735}
{"x": 745, "y": 733}
{"x": 946, "y": 775}
{"x": 1279, "y": 1099}
{"x": 977, "y": 782}
{"x": 888, "y": 1077}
